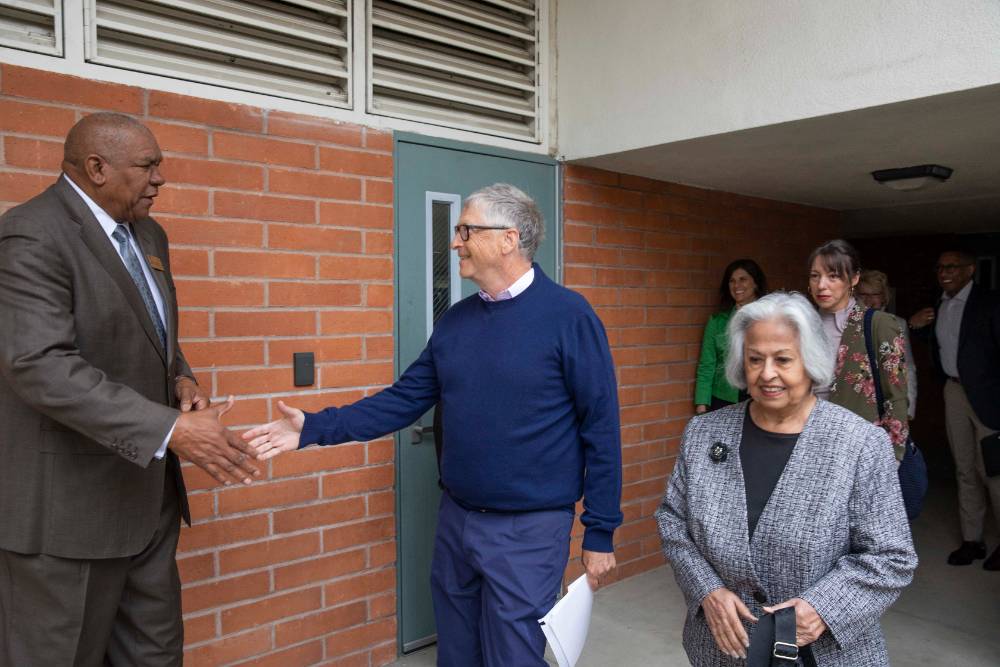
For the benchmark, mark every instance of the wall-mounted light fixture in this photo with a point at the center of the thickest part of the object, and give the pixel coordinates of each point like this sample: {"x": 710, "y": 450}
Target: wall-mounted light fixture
{"x": 912, "y": 178}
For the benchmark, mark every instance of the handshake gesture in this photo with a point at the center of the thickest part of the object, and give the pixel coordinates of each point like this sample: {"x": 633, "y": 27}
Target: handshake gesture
{"x": 200, "y": 437}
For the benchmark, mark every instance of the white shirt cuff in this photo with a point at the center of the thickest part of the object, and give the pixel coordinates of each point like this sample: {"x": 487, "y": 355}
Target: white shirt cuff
{"x": 162, "y": 451}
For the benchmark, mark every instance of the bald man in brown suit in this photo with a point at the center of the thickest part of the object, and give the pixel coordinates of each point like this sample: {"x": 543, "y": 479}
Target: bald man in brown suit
{"x": 96, "y": 405}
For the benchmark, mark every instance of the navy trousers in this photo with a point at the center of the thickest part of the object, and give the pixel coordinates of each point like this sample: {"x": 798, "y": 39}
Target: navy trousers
{"x": 494, "y": 575}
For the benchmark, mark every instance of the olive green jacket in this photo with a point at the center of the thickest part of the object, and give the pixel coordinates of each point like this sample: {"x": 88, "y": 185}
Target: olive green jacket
{"x": 853, "y": 386}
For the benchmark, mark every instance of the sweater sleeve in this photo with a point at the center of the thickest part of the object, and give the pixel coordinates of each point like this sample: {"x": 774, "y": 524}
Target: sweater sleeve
{"x": 705, "y": 375}
{"x": 590, "y": 379}
{"x": 911, "y": 371}
{"x": 393, "y": 408}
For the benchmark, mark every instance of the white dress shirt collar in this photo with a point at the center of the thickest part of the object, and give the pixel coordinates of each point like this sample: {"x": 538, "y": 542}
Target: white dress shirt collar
{"x": 961, "y": 295}
{"x": 106, "y": 221}
{"x": 519, "y": 285}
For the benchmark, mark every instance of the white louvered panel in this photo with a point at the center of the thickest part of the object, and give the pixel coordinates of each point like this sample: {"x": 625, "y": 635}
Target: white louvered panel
{"x": 436, "y": 114}
{"x": 478, "y": 16}
{"x": 457, "y": 91}
{"x": 469, "y": 64}
{"x": 196, "y": 67}
{"x": 295, "y": 48}
{"x": 395, "y": 17}
{"x": 523, "y": 6}
{"x": 452, "y": 61}
{"x": 32, "y": 25}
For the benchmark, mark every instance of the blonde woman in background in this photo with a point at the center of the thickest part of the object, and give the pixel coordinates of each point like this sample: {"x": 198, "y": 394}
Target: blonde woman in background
{"x": 873, "y": 291}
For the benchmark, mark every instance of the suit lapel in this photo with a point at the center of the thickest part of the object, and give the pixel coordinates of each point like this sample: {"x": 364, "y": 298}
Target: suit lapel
{"x": 967, "y": 314}
{"x": 727, "y": 478}
{"x": 854, "y": 331}
{"x": 97, "y": 241}
{"x": 851, "y": 340}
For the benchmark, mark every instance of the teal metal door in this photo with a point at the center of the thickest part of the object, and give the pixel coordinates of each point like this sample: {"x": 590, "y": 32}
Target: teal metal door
{"x": 432, "y": 178}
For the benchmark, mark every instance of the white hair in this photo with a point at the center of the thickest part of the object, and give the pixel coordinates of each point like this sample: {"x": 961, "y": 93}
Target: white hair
{"x": 503, "y": 204}
{"x": 795, "y": 310}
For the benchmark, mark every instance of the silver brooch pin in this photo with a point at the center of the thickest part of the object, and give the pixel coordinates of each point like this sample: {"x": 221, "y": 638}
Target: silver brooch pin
{"x": 719, "y": 452}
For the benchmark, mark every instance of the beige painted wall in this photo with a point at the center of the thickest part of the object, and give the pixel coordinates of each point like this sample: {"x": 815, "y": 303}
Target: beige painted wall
{"x": 636, "y": 73}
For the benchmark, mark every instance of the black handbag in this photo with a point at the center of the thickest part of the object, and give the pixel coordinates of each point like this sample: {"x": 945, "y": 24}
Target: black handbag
{"x": 913, "y": 468}
{"x": 773, "y": 642}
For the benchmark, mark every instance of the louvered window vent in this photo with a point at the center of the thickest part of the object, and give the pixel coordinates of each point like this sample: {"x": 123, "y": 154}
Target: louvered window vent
{"x": 468, "y": 64}
{"x": 32, "y": 25}
{"x": 299, "y": 49}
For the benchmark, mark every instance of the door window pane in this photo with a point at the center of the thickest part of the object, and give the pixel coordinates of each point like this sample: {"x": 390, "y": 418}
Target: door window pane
{"x": 441, "y": 232}
{"x": 443, "y": 285}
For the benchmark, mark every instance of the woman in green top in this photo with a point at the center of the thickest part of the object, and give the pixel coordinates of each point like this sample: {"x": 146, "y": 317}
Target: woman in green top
{"x": 742, "y": 282}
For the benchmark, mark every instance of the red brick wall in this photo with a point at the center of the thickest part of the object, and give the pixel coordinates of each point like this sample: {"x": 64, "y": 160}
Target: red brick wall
{"x": 281, "y": 241}
{"x": 649, "y": 256}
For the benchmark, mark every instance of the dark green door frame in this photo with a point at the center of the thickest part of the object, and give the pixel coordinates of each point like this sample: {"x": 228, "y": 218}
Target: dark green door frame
{"x": 505, "y": 163}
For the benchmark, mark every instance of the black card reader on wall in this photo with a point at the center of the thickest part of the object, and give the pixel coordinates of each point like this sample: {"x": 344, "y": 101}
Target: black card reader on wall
{"x": 305, "y": 368}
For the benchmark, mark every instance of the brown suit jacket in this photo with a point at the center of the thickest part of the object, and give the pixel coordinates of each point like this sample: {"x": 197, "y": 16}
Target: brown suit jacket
{"x": 86, "y": 388}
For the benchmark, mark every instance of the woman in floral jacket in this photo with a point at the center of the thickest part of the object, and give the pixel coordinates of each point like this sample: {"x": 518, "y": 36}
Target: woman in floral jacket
{"x": 834, "y": 270}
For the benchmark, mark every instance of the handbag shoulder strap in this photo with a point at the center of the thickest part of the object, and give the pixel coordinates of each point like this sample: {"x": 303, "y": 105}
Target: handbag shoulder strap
{"x": 873, "y": 362}
{"x": 773, "y": 640}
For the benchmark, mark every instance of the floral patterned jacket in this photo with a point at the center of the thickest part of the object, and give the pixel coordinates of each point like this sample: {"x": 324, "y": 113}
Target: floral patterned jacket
{"x": 853, "y": 387}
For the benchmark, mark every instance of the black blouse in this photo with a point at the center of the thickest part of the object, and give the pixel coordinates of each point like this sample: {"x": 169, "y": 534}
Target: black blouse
{"x": 763, "y": 456}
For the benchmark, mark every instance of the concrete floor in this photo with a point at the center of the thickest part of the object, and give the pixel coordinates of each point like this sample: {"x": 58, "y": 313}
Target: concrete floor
{"x": 947, "y": 616}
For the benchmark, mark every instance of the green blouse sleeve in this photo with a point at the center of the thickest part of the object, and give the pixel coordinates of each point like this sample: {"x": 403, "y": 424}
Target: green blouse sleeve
{"x": 705, "y": 375}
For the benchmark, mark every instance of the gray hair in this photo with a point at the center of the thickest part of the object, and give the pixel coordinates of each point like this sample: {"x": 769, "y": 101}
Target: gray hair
{"x": 879, "y": 281}
{"x": 503, "y": 204}
{"x": 796, "y": 311}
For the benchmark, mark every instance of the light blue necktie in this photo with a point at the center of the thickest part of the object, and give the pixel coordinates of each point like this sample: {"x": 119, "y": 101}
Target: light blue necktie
{"x": 121, "y": 235}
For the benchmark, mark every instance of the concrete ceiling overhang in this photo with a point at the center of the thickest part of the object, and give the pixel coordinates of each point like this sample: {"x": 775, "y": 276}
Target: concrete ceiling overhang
{"x": 827, "y": 161}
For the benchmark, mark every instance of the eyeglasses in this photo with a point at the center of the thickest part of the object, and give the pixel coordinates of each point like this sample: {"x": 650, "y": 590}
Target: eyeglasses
{"x": 950, "y": 267}
{"x": 463, "y": 230}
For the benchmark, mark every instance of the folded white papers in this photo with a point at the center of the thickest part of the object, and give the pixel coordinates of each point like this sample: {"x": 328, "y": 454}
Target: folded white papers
{"x": 565, "y": 626}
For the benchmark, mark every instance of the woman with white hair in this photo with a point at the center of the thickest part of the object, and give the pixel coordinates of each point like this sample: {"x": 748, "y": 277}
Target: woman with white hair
{"x": 785, "y": 501}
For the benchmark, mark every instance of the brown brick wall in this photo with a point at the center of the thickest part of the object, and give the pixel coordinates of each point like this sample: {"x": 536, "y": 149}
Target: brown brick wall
{"x": 649, "y": 256}
{"x": 281, "y": 234}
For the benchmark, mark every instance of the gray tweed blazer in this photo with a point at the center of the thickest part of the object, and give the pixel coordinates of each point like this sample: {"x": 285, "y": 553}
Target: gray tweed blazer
{"x": 834, "y": 532}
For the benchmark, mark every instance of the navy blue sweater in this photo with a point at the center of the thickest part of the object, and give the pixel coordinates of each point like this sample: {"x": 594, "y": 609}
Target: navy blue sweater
{"x": 530, "y": 407}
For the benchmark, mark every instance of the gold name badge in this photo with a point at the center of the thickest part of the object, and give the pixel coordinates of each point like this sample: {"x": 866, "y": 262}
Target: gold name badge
{"x": 155, "y": 262}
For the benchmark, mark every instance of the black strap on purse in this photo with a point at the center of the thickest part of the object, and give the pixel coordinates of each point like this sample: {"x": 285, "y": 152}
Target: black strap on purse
{"x": 912, "y": 469}
{"x": 873, "y": 362}
{"x": 773, "y": 642}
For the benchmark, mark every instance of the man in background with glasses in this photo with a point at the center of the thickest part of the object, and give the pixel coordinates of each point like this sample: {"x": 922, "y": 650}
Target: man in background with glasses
{"x": 530, "y": 423}
{"x": 965, "y": 343}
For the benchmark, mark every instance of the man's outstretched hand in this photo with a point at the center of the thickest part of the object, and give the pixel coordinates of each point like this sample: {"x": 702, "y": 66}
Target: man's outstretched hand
{"x": 281, "y": 435}
{"x": 200, "y": 437}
